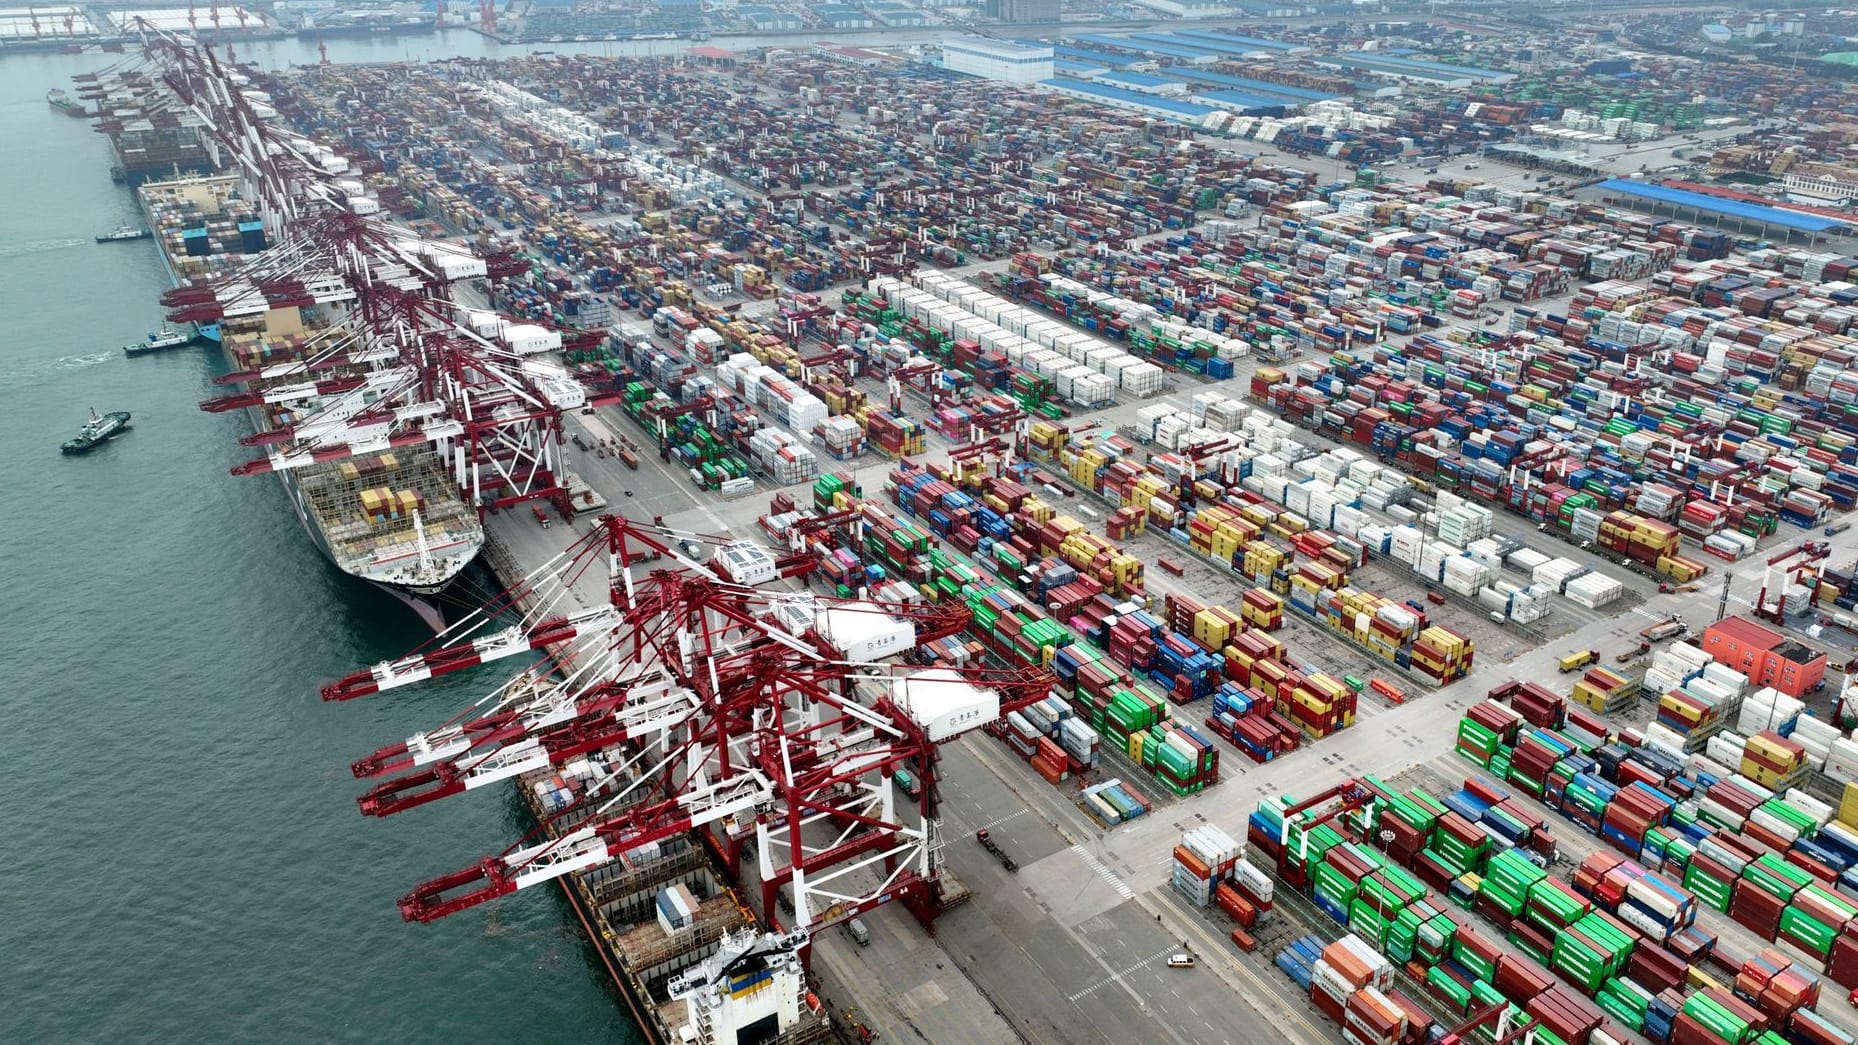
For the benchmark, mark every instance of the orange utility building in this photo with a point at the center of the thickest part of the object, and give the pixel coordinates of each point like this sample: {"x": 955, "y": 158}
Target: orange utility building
{"x": 1766, "y": 656}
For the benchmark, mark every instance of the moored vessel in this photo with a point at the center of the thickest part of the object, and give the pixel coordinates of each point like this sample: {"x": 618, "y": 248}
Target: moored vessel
{"x": 396, "y": 519}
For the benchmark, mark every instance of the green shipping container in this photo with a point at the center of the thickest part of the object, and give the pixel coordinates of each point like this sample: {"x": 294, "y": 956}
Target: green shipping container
{"x": 1803, "y": 930}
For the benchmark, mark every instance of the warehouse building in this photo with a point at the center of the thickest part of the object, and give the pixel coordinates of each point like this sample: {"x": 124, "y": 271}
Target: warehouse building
{"x": 997, "y": 60}
{"x": 1123, "y": 98}
{"x": 1095, "y": 57}
{"x": 1179, "y": 54}
{"x": 1394, "y": 67}
{"x": 1281, "y": 93}
{"x": 1146, "y": 83}
{"x": 1719, "y": 212}
{"x": 1249, "y": 45}
{"x": 1244, "y": 104}
{"x": 1025, "y": 12}
{"x": 1766, "y": 656}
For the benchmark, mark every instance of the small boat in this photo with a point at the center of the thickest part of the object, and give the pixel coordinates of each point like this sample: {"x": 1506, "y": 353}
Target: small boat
{"x": 61, "y": 101}
{"x": 100, "y": 429}
{"x": 159, "y": 341}
{"x": 124, "y": 232}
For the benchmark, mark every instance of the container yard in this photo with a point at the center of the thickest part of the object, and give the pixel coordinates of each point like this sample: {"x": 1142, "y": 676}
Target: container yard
{"x": 981, "y": 565}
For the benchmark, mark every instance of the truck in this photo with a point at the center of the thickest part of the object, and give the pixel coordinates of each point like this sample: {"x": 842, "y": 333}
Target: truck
{"x": 1669, "y": 628}
{"x": 1578, "y": 660}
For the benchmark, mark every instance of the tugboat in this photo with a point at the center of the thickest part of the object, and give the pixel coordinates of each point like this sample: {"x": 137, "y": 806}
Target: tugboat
{"x": 124, "y": 233}
{"x": 159, "y": 341}
{"x": 100, "y": 429}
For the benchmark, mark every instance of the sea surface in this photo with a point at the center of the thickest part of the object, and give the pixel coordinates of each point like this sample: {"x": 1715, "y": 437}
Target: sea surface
{"x": 181, "y": 858}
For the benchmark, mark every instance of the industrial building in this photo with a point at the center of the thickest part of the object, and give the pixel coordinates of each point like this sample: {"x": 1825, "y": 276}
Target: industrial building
{"x": 1125, "y": 98}
{"x": 996, "y": 60}
{"x": 1765, "y": 655}
{"x": 1292, "y": 96}
{"x": 1146, "y": 83}
{"x": 1025, "y": 12}
{"x": 1190, "y": 8}
{"x": 1395, "y": 67}
{"x": 1746, "y": 216}
{"x": 1194, "y": 56}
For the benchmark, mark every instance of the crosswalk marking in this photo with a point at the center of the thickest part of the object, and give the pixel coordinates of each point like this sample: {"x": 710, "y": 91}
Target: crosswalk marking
{"x": 1116, "y": 977}
{"x": 996, "y": 823}
{"x": 1104, "y": 873}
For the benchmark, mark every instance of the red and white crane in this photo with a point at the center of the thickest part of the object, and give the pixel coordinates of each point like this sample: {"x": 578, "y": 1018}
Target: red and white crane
{"x": 700, "y": 697}
{"x": 410, "y": 373}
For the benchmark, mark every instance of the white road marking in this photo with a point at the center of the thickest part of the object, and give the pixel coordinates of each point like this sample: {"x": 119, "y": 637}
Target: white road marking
{"x": 996, "y": 823}
{"x": 1117, "y": 976}
{"x": 1104, "y": 873}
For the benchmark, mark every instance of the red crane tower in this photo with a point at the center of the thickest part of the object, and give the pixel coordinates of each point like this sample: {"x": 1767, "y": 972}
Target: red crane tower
{"x": 769, "y": 721}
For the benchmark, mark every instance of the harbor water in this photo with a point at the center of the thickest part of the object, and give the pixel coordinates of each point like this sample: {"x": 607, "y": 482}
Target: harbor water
{"x": 184, "y": 858}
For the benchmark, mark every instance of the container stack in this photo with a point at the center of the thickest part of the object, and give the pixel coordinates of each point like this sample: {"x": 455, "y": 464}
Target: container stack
{"x": 842, "y": 437}
{"x": 1113, "y": 802}
{"x": 1605, "y": 691}
{"x": 894, "y": 436}
{"x": 784, "y": 459}
{"x": 1461, "y": 524}
{"x": 1769, "y": 709}
{"x": 1347, "y": 968}
{"x": 1204, "y": 860}
{"x": 1594, "y": 590}
{"x": 1773, "y": 761}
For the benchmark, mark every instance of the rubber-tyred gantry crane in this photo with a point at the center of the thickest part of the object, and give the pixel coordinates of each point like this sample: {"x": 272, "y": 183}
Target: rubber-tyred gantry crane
{"x": 409, "y": 372}
{"x": 705, "y": 699}
{"x": 1794, "y": 566}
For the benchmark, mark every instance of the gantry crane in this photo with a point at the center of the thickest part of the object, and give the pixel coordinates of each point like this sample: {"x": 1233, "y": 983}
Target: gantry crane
{"x": 413, "y": 375}
{"x": 971, "y": 464}
{"x": 1507, "y": 1028}
{"x": 1791, "y": 572}
{"x": 1348, "y": 796}
{"x": 764, "y": 719}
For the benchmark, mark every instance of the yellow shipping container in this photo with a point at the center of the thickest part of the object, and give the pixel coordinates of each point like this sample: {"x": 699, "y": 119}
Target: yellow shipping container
{"x": 1848, "y": 805}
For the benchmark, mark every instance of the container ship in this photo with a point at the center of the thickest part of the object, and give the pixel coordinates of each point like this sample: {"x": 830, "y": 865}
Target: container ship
{"x": 151, "y": 134}
{"x": 395, "y": 519}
